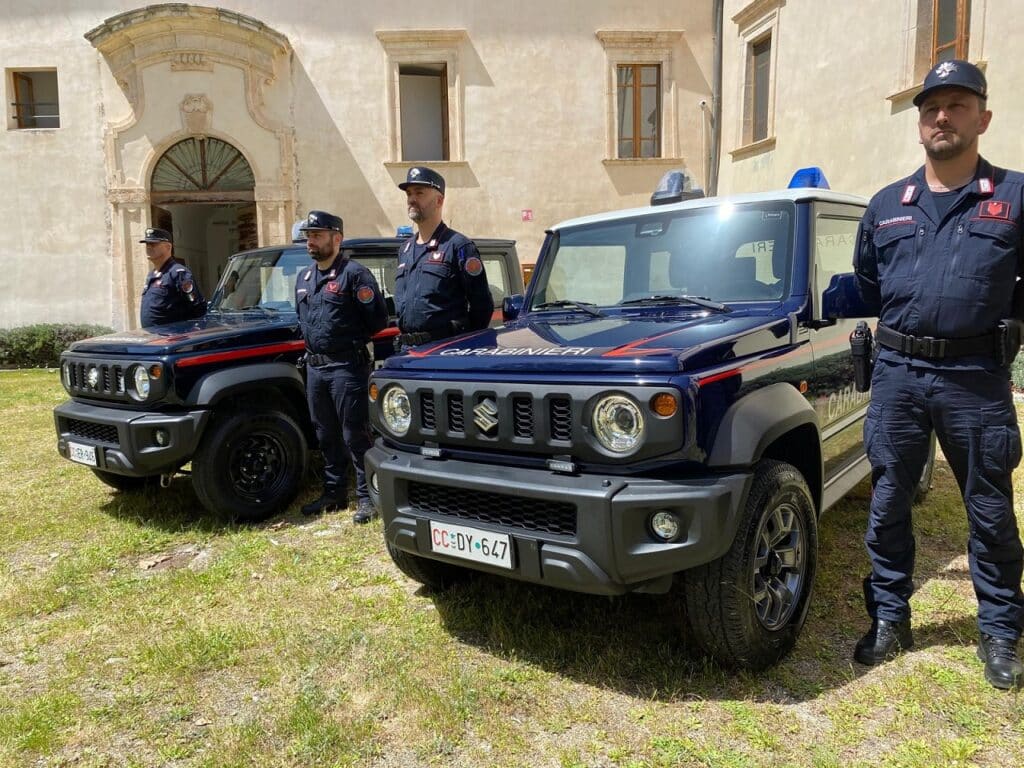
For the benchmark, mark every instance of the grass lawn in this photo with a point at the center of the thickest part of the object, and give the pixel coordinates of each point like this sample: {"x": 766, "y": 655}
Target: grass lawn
{"x": 137, "y": 631}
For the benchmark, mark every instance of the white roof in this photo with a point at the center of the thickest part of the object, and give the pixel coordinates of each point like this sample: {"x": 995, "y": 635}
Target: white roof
{"x": 793, "y": 195}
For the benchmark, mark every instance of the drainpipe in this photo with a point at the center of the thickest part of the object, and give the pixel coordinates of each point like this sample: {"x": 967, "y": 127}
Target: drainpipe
{"x": 716, "y": 99}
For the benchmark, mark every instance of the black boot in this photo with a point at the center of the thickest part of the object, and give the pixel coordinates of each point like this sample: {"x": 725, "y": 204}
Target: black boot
{"x": 365, "y": 512}
{"x": 327, "y": 502}
{"x": 884, "y": 640}
{"x": 1002, "y": 662}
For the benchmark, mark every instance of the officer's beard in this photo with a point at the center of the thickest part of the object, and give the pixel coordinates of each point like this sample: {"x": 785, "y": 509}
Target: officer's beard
{"x": 951, "y": 146}
{"x": 323, "y": 256}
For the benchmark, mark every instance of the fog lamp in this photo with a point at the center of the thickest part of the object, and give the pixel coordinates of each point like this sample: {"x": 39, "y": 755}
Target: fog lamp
{"x": 665, "y": 525}
{"x": 161, "y": 437}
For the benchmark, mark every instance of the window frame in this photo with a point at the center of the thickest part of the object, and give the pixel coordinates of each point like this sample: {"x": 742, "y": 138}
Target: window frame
{"x": 424, "y": 48}
{"x": 642, "y": 47}
{"x": 637, "y": 86}
{"x": 17, "y": 110}
{"x": 756, "y": 23}
{"x": 962, "y": 37}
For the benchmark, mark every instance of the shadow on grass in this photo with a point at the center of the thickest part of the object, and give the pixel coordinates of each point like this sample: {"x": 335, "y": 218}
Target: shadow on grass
{"x": 636, "y": 644}
{"x": 172, "y": 509}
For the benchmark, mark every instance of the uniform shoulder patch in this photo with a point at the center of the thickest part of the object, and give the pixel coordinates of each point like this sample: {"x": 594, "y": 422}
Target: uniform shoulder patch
{"x": 994, "y": 209}
{"x": 365, "y": 294}
{"x": 474, "y": 267}
{"x": 333, "y": 287}
{"x": 187, "y": 286}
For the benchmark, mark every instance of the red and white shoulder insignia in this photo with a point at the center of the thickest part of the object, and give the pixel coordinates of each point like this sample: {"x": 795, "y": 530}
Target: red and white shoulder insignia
{"x": 333, "y": 287}
{"x": 187, "y": 286}
{"x": 306, "y": 276}
{"x": 908, "y": 194}
{"x": 985, "y": 186}
{"x": 474, "y": 266}
{"x": 436, "y": 256}
{"x": 365, "y": 294}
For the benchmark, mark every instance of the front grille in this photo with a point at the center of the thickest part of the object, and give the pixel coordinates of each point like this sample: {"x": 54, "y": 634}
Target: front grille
{"x": 99, "y": 433}
{"x": 553, "y": 517}
{"x": 561, "y": 418}
{"x": 522, "y": 416}
{"x": 427, "y": 416}
{"x": 109, "y": 379}
{"x": 456, "y": 422}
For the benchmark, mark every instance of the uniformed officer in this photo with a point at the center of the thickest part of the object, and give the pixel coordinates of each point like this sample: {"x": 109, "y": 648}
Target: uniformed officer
{"x": 171, "y": 293}
{"x": 441, "y": 287}
{"x": 938, "y": 257}
{"x": 340, "y": 307}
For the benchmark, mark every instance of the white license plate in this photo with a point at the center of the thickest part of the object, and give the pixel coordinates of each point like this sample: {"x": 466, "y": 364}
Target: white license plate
{"x": 83, "y": 454}
{"x": 471, "y": 544}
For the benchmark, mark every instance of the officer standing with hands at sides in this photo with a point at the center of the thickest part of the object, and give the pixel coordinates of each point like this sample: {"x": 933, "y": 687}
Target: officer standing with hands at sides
{"x": 171, "y": 293}
{"x": 340, "y": 307}
{"x": 938, "y": 257}
{"x": 440, "y": 285}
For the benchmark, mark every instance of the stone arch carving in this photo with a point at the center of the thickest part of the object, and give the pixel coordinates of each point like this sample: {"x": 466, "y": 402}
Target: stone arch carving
{"x": 169, "y": 49}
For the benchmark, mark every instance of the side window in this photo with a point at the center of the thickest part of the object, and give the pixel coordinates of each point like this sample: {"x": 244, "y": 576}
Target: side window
{"x": 497, "y": 278}
{"x": 834, "y": 240}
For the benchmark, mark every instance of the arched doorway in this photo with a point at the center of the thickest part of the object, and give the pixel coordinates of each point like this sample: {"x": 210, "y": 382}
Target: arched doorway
{"x": 202, "y": 190}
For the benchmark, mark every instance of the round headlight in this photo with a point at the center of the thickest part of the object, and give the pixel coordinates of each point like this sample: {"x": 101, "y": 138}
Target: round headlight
{"x": 65, "y": 374}
{"x": 396, "y": 410}
{"x": 140, "y": 379}
{"x": 618, "y": 423}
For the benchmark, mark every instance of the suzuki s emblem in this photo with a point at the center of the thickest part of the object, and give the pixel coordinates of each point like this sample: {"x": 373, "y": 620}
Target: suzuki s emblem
{"x": 93, "y": 377}
{"x": 486, "y": 416}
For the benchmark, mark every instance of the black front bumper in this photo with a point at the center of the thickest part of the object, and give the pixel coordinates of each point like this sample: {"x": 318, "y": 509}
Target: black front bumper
{"x": 608, "y": 548}
{"x": 125, "y": 441}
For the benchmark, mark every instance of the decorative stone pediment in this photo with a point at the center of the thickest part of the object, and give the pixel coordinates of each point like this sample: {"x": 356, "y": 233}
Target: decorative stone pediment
{"x": 191, "y": 38}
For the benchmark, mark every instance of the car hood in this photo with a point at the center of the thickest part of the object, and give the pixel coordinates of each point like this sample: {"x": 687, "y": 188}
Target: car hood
{"x": 612, "y": 344}
{"x": 212, "y": 331}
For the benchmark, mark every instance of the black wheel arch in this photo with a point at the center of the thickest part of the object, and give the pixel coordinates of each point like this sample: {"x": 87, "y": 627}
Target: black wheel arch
{"x": 775, "y": 422}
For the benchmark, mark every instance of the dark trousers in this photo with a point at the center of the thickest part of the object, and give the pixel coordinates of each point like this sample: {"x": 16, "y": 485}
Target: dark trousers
{"x": 337, "y": 398}
{"x": 974, "y": 419}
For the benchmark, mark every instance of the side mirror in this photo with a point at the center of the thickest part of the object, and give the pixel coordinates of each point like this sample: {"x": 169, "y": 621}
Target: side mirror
{"x": 842, "y": 299}
{"x": 511, "y": 306}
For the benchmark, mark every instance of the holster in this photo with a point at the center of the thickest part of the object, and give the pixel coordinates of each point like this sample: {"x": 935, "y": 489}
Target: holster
{"x": 1008, "y": 339}
{"x": 862, "y": 347}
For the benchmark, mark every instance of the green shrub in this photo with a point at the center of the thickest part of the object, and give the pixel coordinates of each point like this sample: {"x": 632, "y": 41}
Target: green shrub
{"x": 39, "y": 346}
{"x": 1017, "y": 373}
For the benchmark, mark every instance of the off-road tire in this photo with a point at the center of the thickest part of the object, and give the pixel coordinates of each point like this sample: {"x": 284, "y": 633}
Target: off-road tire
{"x": 433, "y": 574}
{"x": 249, "y": 464}
{"x": 747, "y": 608}
{"x": 125, "y": 483}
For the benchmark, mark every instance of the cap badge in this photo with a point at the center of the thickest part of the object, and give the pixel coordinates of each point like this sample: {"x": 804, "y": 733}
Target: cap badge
{"x": 945, "y": 69}
{"x": 414, "y": 173}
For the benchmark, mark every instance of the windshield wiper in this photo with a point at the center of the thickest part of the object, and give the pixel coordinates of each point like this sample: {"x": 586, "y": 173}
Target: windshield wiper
{"x": 665, "y": 298}
{"x": 586, "y": 306}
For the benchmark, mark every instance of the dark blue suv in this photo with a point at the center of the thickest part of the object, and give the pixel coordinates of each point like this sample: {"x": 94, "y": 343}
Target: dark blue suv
{"x": 224, "y": 393}
{"x": 667, "y": 408}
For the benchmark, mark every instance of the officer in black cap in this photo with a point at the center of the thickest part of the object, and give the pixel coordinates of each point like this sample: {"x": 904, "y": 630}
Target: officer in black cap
{"x": 939, "y": 261}
{"x": 340, "y": 307}
{"x": 171, "y": 293}
{"x": 441, "y": 287}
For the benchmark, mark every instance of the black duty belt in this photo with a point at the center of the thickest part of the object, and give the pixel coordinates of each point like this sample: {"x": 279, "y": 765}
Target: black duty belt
{"x": 318, "y": 360}
{"x": 937, "y": 348}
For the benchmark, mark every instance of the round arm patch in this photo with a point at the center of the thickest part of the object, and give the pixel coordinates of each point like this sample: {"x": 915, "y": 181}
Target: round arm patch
{"x": 474, "y": 266}
{"x": 365, "y": 294}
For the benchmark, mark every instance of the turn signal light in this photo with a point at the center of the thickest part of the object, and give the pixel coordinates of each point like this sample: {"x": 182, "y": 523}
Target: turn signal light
{"x": 663, "y": 404}
{"x": 374, "y": 391}
{"x": 156, "y": 371}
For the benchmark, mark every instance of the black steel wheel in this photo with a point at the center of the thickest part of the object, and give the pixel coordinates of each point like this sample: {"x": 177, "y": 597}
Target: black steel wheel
{"x": 249, "y": 464}
{"x": 747, "y": 608}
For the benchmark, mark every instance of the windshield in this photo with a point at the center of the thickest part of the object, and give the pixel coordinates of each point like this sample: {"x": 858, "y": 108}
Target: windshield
{"x": 266, "y": 279}
{"x": 726, "y": 253}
